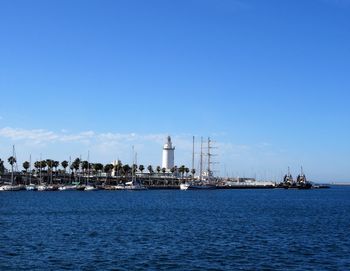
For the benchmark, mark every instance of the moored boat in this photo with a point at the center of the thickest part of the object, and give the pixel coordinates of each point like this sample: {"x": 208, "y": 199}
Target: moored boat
{"x": 90, "y": 188}
{"x": 11, "y": 187}
{"x": 31, "y": 187}
{"x": 67, "y": 188}
{"x": 199, "y": 186}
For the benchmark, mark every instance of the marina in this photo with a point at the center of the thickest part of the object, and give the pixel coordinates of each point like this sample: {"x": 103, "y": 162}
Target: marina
{"x": 82, "y": 175}
{"x": 87, "y": 176}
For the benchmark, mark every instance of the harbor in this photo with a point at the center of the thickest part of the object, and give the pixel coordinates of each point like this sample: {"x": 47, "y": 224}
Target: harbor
{"x": 60, "y": 181}
{"x": 82, "y": 175}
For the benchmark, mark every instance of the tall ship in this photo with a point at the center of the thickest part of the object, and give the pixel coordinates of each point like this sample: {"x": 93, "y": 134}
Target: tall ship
{"x": 202, "y": 183}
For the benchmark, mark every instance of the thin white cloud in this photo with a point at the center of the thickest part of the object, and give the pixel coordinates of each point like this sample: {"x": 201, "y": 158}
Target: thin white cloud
{"x": 108, "y": 146}
{"x": 42, "y": 136}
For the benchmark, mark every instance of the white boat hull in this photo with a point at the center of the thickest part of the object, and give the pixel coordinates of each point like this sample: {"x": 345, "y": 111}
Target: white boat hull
{"x": 11, "y": 188}
{"x": 31, "y": 187}
{"x": 90, "y": 188}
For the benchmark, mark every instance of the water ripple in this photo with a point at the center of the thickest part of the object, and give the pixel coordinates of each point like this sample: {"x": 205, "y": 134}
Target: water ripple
{"x": 176, "y": 230}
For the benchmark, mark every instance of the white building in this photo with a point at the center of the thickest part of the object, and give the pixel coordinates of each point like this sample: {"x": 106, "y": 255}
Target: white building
{"x": 168, "y": 155}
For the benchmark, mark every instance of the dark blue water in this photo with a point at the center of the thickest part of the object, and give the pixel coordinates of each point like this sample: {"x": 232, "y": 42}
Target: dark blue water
{"x": 179, "y": 230}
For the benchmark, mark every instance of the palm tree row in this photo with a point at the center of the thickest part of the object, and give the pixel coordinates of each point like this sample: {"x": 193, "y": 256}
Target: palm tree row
{"x": 86, "y": 168}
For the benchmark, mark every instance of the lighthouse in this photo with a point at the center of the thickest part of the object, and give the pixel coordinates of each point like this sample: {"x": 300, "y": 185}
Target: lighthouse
{"x": 168, "y": 155}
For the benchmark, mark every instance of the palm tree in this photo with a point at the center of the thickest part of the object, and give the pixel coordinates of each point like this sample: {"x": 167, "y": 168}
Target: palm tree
{"x": 108, "y": 168}
{"x": 76, "y": 164}
{"x": 134, "y": 168}
{"x": 2, "y": 167}
{"x": 37, "y": 165}
{"x": 55, "y": 165}
{"x": 43, "y": 164}
{"x": 163, "y": 170}
{"x": 11, "y": 160}
{"x": 182, "y": 170}
{"x": 193, "y": 171}
{"x": 118, "y": 167}
{"x": 158, "y": 169}
{"x": 84, "y": 166}
{"x": 50, "y": 164}
{"x": 126, "y": 169}
{"x": 150, "y": 169}
{"x": 26, "y": 165}
{"x": 64, "y": 164}
{"x": 187, "y": 170}
{"x": 98, "y": 167}
{"x": 141, "y": 168}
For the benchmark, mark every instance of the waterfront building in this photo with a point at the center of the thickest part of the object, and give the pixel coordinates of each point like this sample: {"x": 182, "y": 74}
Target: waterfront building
{"x": 168, "y": 155}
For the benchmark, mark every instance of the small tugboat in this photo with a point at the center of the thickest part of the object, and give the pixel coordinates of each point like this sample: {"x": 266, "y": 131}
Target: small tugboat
{"x": 288, "y": 181}
{"x": 302, "y": 182}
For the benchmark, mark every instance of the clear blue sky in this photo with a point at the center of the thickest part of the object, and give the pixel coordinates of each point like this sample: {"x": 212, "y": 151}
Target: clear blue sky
{"x": 269, "y": 81}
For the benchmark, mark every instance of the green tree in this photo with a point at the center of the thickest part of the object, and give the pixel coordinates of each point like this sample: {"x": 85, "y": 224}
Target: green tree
{"x": 37, "y": 165}
{"x": 182, "y": 170}
{"x": 163, "y": 170}
{"x": 187, "y": 170}
{"x": 159, "y": 169}
{"x": 76, "y": 164}
{"x": 134, "y": 168}
{"x": 141, "y": 168}
{"x": 26, "y": 165}
{"x": 64, "y": 164}
{"x": 108, "y": 168}
{"x": 118, "y": 167}
{"x": 11, "y": 160}
{"x": 56, "y": 164}
{"x": 43, "y": 164}
{"x": 150, "y": 169}
{"x": 126, "y": 169}
{"x": 98, "y": 167}
{"x": 50, "y": 165}
{"x": 2, "y": 167}
{"x": 84, "y": 166}
{"x": 193, "y": 171}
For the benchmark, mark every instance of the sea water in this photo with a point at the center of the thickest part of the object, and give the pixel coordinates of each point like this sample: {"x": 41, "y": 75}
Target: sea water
{"x": 176, "y": 230}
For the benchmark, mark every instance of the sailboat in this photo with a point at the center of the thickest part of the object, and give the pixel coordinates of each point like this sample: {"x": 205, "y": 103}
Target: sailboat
{"x": 30, "y": 186}
{"x": 12, "y": 186}
{"x": 89, "y": 187}
{"x": 134, "y": 184}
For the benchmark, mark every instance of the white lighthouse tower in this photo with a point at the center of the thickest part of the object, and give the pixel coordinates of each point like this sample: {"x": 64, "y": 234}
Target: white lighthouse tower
{"x": 168, "y": 155}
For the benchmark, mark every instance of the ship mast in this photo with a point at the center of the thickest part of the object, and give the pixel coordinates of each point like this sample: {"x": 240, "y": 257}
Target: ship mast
{"x": 132, "y": 167}
{"x": 201, "y": 161}
{"x": 88, "y": 169}
{"x": 12, "y": 162}
{"x": 193, "y": 157}
{"x": 40, "y": 169}
{"x": 209, "y": 154}
{"x": 30, "y": 169}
